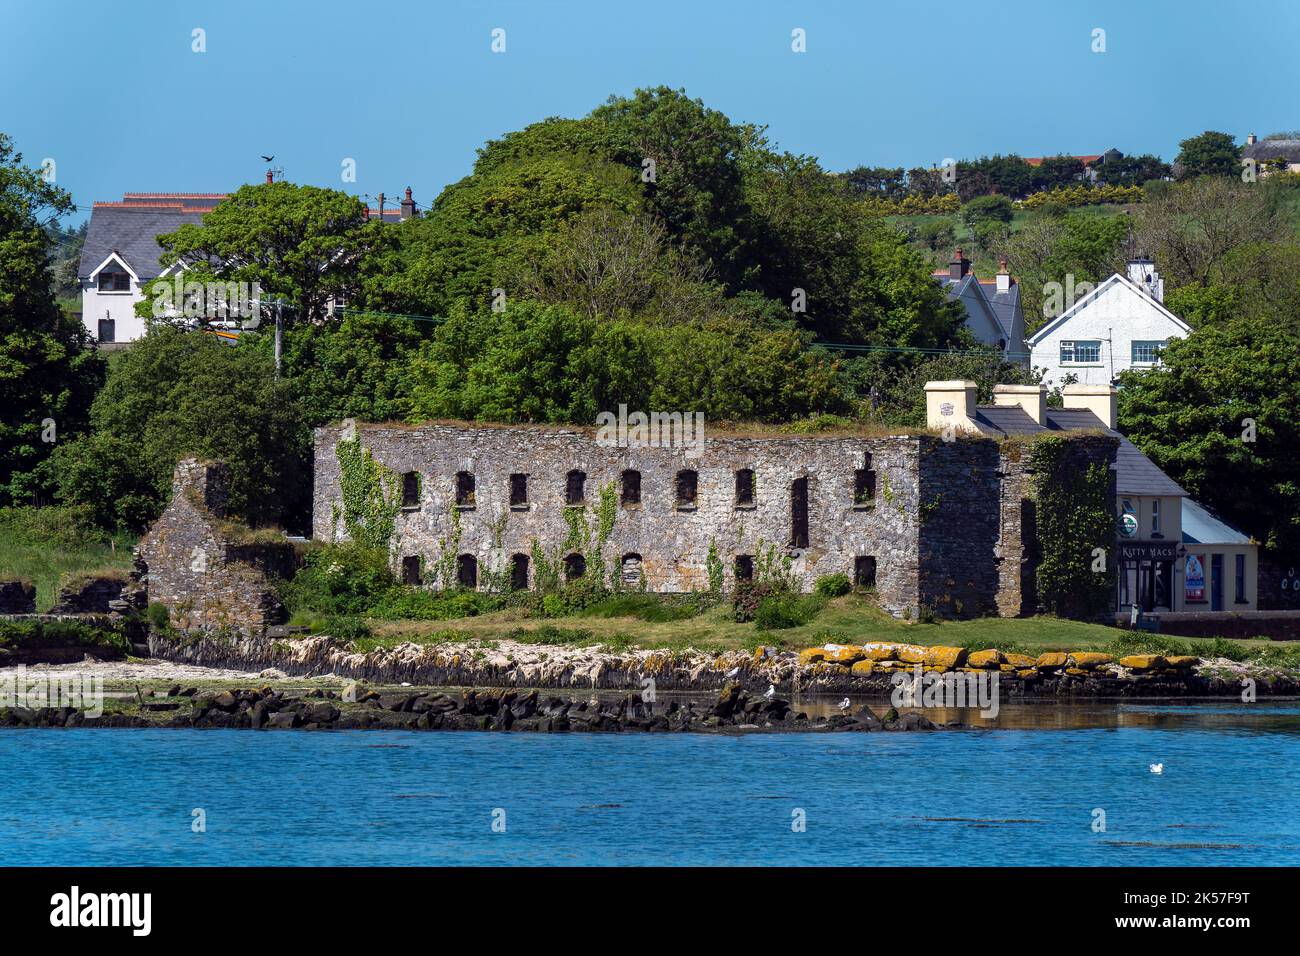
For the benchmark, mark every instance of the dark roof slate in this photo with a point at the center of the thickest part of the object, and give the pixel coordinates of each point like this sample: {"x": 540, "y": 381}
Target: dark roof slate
{"x": 132, "y": 232}
{"x": 1135, "y": 473}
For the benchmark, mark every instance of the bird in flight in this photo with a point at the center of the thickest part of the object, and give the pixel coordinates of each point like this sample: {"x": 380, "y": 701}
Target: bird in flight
{"x": 267, "y": 159}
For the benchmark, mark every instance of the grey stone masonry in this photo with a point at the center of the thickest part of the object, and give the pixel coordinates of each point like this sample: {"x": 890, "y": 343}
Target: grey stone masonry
{"x": 918, "y": 517}
{"x": 199, "y": 566}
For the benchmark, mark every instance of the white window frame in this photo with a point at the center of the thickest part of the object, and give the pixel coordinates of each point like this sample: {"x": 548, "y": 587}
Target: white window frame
{"x": 1154, "y": 344}
{"x": 1073, "y": 350}
{"x": 1155, "y": 515}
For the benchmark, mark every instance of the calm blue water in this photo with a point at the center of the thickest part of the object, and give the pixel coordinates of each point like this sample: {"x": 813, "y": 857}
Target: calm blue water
{"x": 99, "y": 797}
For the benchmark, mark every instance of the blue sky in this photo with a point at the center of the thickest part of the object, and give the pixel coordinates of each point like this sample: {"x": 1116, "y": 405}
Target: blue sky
{"x": 114, "y": 93}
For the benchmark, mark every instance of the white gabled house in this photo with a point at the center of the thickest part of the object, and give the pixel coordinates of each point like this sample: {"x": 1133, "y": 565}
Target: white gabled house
{"x": 1121, "y": 324}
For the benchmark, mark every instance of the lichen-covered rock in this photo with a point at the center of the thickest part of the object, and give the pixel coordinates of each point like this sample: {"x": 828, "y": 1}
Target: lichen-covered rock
{"x": 1142, "y": 662}
{"x": 1019, "y": 660}
{"x": 1052, "y": 660}
{"x": 945, "y": 658}
{"x": 1182, "y": 661}
{"x": 843, "y": 654}
{"x": 880, "y": 652}
{"x": 811, "y": 655}
{"x": 911, "y": 653}
{"x": 1089, "y": 659}
{"x": 989, "y": 658}
{"x": 863, "y": 668}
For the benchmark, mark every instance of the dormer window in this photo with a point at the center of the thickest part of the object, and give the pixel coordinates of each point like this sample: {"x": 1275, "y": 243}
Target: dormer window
{"x": 114, "y": 281}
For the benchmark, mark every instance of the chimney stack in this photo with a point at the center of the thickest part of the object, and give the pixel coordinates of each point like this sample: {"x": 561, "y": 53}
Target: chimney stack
{"x": 1098, "y": 399}
{"x": 408, "y": 205}
{"x": 1032, "y": 398}
{"x": 1251, "y": 140}
{"x": 1004, "y": 277}
{"x": 959, "y": 266}
{"x": 1142, "y": 271}
{"x": 950, "y": 405}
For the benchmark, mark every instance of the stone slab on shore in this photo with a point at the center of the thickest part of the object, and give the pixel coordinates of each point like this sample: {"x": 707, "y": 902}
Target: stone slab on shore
{"x": 831, "y": 669}
{"x": 734, "y": 711}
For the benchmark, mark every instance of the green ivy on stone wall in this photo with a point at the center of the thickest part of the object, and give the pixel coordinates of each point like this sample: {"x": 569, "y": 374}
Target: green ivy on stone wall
{"x": 371, "y": 496}
{"x": 1074, "y": 516}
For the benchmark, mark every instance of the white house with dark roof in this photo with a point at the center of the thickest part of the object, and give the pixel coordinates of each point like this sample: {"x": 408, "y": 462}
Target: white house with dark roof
{"x": 1171, "y": 553}
{"x": 994, "y": 314}
{"x": 120, "y": 256}
{"x": 121, "y": 253}
{"x": 1120, "y": 324}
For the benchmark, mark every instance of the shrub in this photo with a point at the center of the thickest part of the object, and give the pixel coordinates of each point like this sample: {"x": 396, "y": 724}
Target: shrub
{"x": 987, "y": 209}
{"x": 833, "y": 585}
{"x": 1229, "y": 649}
{"x": 158, "y": 616}
{"x": 346, "y": 627}
{"x": 412, "y": 604}
{"x": 784, "y": 610}
{"x": 746, "y": 598}
{"x": 339, "y": 579}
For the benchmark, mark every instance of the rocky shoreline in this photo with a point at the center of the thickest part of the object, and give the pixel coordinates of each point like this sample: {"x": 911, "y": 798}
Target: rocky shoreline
{"x": 831, "y": 669}
{"x": 734, "y": 711}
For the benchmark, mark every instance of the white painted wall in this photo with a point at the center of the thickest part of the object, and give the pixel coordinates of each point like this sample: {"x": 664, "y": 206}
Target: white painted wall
{"x": 1117, "y": 316}
{"x": 120, "y": 306}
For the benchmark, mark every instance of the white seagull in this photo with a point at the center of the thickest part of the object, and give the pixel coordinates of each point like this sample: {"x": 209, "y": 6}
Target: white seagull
{"x": 733, "y": 672}
{"x": 771, "y": 691}
{"x": 1157, "y": 768}
{"x": 845, "y": 704}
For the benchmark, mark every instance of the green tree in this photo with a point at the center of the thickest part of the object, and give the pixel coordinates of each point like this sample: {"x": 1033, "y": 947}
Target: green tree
{"x": 48, "y": 368}
{"x": 303, "y": 244}
{"x": 175, "y": 394}
{"x": 1209, "y": 154}
{"x": 1220, "y": 417}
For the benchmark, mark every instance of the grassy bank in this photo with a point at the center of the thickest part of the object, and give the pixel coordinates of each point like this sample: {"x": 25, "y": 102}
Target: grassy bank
{"x": 852, "y": 619}
{"x": 42, "y": 545}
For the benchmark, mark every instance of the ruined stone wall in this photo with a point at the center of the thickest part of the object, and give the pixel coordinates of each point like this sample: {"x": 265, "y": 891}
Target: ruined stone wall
{"x": 206, "y": 579}
{"x": 17, "y": 597}
{"x": 673, "y": 543}
{"x": 960, "y": 516}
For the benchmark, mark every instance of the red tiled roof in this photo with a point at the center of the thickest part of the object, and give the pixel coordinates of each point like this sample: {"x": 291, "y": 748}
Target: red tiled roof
{"x": 1086, "y": 160}
{"x": 174, "y": 195}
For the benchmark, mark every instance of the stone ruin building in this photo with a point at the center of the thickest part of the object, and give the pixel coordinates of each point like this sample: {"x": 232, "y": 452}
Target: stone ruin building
{"x": 212, "y": 573}
{"x": 928, "y": 522}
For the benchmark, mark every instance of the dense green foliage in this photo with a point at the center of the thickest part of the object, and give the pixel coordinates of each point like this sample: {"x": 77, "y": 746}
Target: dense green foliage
{"x": 48, "y": 372}
{"x": 1209, "y": 154}
{"x": 45, "y": 545}
{"x": 1074, "y": 518}
{"x": 1193, "y": 417}
{"x": 345, "y": 579}
{"x": 175, "y": 394}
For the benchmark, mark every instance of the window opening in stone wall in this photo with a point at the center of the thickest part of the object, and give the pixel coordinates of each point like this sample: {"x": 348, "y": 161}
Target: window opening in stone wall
{"x": 864, "y": 486}
{"x": 411, "y": 489}
{"x": 464, "y": 489}
{"x": 411, "y": 569}
{"x": 467, "y": 571}
{"x": 630, "y": 570}
{"x": 744, "y": 567}
{"x": 687, "y": 488}
{"x": 799, "y": 513}
{"x": 575, "y": 487}
{"x": 631, "y": 493}
{"x": 575, "y": 566}
{"x": 519, "y": 572}
{"x": 864, "y": 571}
{"x": 745, "y": 488}
{"x": 518, "y": 491}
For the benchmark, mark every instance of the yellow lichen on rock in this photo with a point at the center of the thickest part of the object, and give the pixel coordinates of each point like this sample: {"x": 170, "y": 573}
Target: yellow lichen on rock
{"x": 989, "y": 658}
{"x": 945, "y": 658}
{"x": 880, "y": 652}
{"x": 1142, "y": 662}
{"x": 844, "y": 654}
{"x": 810, "y": 655}
{"x": 1182, "y": 660}
{"x": 862, "y": 668}
{"x": 1052, "y": 660}
{"x": 1090, "y": 659}
{"x": 1019, "y": 660}
{"x": 911, "y": 653}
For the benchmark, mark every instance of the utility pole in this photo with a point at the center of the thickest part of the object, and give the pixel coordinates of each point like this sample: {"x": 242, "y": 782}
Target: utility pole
{"x": 381, "y": 207}
{"x": 279, "y": 329}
